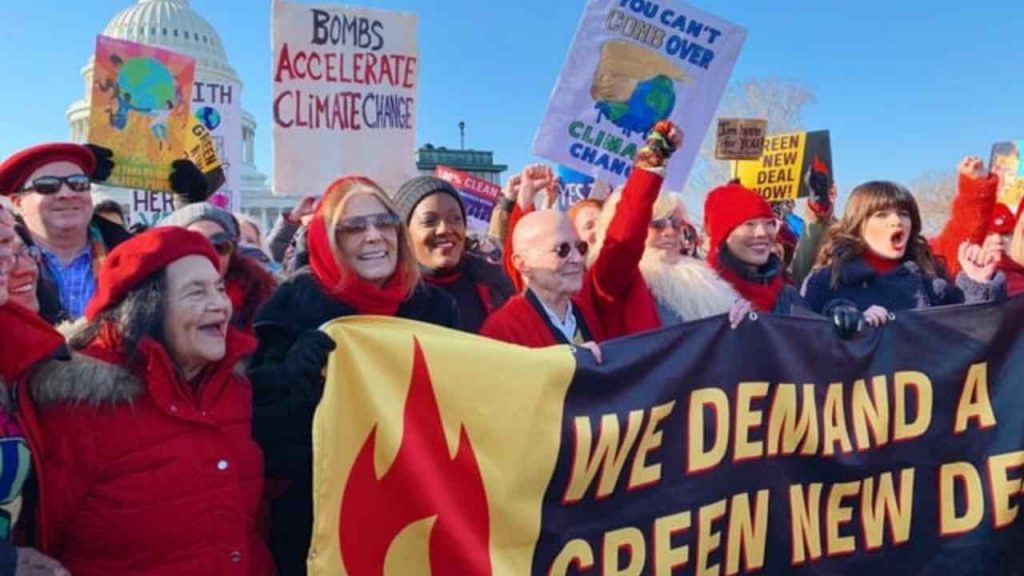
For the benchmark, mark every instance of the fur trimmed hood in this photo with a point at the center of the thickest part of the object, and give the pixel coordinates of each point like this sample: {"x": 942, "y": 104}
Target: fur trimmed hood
{"x": 82, "y": 380}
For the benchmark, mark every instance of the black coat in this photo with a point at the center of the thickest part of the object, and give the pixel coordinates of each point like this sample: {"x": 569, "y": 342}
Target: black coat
{"x": 283, "y": 410}
{"x": 480, "y": 290}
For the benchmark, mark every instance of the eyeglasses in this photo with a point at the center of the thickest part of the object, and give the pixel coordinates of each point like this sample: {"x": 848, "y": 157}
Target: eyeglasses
{"x": 565, "y": 248}
{"x": 662, "y": 223}
{"x": 51, "y": 184}
{"x": 360, "y": 224}
{"x": 224, "y": 247}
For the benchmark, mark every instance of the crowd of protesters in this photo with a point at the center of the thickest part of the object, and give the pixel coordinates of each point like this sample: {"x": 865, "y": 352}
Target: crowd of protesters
{"x": 159, "y": 386}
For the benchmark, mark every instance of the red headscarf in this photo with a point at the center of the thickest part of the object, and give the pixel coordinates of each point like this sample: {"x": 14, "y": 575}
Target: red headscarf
{"x": 341, "y": 283}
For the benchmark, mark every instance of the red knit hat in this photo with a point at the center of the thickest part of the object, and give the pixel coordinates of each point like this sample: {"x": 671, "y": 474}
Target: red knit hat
{"x": 726, "y": 208}
{"x": 14, "y": 172}
{"x": 1003, "y": 220}
{"x": 138, "y": 258}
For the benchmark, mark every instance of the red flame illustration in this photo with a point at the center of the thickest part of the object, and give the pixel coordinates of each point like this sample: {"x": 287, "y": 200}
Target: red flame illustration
{"x": 819, "y": 166}
{"x": 423, "y": 481}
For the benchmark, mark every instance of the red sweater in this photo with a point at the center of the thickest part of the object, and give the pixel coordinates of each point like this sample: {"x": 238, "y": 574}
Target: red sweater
{"x": 614, "y": 299}
{"x": 969, "y": 219}
{"x": 1014, "y": 275}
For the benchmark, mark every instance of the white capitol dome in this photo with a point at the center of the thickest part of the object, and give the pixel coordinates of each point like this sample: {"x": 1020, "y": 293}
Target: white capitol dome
{"x": 174, "y": 25}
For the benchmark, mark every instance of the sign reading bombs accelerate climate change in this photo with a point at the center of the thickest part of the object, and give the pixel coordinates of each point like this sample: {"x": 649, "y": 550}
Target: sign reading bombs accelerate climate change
{"x": 897, "y": 452}
{"x": 139, "y": 108}
{"x": 783, "y": 172}
{"x": 632, "y": 64}
{"x": 345, "y": 82}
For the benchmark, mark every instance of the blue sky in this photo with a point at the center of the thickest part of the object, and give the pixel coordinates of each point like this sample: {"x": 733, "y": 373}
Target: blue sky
{"x": 905, "y": 87}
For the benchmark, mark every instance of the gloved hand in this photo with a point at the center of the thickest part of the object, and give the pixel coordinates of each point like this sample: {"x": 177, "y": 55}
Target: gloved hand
{"x": 664, "y": 139}
{"x": 188, "y": 183}
{"x": 847, "y": 320}
{"x": 308, "y": 356}
{"x": 104, "y": 162}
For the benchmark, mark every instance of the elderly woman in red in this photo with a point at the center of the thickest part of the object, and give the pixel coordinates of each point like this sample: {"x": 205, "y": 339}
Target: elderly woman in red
{"x": 148, "y": 464}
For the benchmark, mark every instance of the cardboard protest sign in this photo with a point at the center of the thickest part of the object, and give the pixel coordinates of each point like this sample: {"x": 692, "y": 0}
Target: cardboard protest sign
{"x": 149, "y": 206}
{"x": 139, "y": 108}
{"x": 784, "y": 168}
{"x": 632, "y": 64}
{"x": 218, "y": 108}
{"x": 1005, "y": 162}
{"x": 345, "y": 81}
{"x": 813, "y": 455}
{"x": 479, "y": 196}
{"x": 740, "y": 138}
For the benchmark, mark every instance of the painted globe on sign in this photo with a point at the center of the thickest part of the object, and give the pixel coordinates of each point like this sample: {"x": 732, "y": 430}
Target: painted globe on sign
{"x": 146, "y": 84}
{"x": 209, "y": 117}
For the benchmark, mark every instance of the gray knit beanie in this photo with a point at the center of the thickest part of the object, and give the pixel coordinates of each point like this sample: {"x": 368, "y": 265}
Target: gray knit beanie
{"x": 414, "y": 191}
{"x": 200, "y": 211}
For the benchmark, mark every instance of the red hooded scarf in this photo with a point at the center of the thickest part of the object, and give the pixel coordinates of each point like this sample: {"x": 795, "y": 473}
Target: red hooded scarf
{"x": 339, "y": 281}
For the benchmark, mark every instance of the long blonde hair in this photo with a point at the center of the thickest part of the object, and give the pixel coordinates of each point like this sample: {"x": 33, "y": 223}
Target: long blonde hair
{"x": 332, "y": 209}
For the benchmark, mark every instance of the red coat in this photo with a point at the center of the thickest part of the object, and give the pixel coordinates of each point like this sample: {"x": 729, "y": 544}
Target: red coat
{"x": 614, "y": 293}
{"x": 139, "y": 474}
{"x": 1014, "y": 276}
{"x": 969, "y": 219}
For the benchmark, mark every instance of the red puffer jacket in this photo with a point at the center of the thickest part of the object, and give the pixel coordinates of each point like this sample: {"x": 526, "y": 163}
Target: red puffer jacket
{"x": 138, "y": 473}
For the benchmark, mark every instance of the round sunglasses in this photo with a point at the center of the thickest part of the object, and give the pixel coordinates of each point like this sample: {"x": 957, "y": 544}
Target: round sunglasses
{"x": 563, "y": 249}
{"x": 662, "y": 223}
{"x": 51, "y": 184}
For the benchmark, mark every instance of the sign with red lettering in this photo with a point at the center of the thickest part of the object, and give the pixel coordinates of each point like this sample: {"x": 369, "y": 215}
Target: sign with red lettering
{"x": 345, "y": 83}
{"x": 478, "y": 196}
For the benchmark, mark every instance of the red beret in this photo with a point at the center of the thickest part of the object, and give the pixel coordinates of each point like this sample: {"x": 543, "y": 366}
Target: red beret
{"x": 726, "y": 208}
{"x": 1003, "y": 220}
{"x": 138, "y": 258}
{"x": 14, "y": 172}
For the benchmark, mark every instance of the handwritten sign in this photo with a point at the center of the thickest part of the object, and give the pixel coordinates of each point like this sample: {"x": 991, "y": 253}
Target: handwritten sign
{"x": 740, "y": 138}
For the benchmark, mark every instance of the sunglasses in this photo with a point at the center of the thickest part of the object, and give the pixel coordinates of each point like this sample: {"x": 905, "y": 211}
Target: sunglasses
{"x": 360, "y": 224}
{"x": 662, "y": 223}
{"x": 52, "y": 184}
{"x": 565, "y": 248}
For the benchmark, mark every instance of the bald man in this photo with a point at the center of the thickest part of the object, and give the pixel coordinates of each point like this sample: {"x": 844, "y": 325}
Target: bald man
{"x": 549, "y": 256}
{"x": 562, "y": 301}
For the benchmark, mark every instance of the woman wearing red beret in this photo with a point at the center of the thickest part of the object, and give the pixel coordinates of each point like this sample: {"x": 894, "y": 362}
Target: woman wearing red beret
{"x": 149, "y": 465}
{"x": 361, "y": 262}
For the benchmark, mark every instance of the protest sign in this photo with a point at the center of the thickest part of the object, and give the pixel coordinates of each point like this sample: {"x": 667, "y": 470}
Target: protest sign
{"x": 784, "y": 168}
{"x": 345, "y": 82}
{"x": 218, "y": 107}
{"x": 478, "y": 196}
{"x": 1005, "y": 163}
{"x": 632, "y": 64}
{"x": 740, "y": 138}
{"x": 885, "y": 454}
{"x": 139, "y": 108}
{"x": 574, "y": 187}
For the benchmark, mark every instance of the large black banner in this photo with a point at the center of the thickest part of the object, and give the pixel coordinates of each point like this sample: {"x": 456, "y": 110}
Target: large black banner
{"x": 778, "y": 448}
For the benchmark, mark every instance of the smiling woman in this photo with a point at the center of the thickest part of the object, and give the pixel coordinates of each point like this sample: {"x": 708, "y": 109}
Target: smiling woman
{"x": 361, "y": 262}
{"x": 152, "y": 377}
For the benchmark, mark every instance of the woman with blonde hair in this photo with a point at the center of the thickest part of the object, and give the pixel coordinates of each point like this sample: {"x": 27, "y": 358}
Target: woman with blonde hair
{"x": 360, "y": 262}
{"x": 684, "y": 288}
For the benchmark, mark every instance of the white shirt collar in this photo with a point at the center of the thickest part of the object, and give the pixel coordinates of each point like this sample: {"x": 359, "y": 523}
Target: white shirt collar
{"x": 568, "y": 326}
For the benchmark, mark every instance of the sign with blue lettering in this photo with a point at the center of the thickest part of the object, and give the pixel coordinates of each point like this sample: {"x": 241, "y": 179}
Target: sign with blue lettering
{"x": 633, "y": 63}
